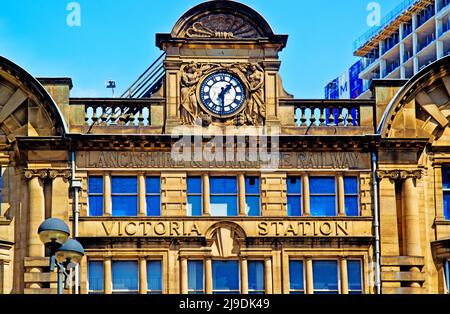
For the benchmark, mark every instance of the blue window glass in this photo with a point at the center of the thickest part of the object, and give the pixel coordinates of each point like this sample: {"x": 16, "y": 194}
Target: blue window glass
{"x": 252, "y": 196}
{"x": 153, "y": 196}
{"x": 194, "y": 196}
{"x": 223, "y": 196}
{"x": 195, "y": 277}
{"x": 447, "y": 276}
{"x": 322, "y": 196}
{"x": 351, "y": 191}
{"x": 446, "y": 190}
{"x": 154, "y": 277}
{"x": 124, "y": 195}
{"x": 325, "y": 277}
{"x": 225, "y": 277}
{"x": 296, "y": 280}
{"x": 354, "y": 276}
{"x": 255, "y": 277}
{"x": 294, "y": 196}
{"x": 95, "y": 277}
{"x": 95, "y": 196}
{"x": 125, "y": 277}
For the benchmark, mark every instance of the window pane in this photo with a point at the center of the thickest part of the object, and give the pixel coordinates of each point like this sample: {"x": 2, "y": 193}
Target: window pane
{"x": 154, "y": 277}
{"x": 194, "y": 205}
{"x": 322, "y": 185}
{"x": 124, "y": 206}
{"x": 127, "y": 185}
{"x": 227, "y": 185}
{"x": 253, "y": 206}
{"x": 447, "y": 205}
{"x": 447, "y": 275}
{"x": 95, "y": 185}
{"x": 296, "y": 275}
{"x": 225, "y": 275}
{"x": 294, "y": 206}
{"x": 194, "y": 185}
{"x": 446, "y": 178}
{"x": 325, "y": 275}
{"x": 95, "y": 206}
{"x": 96, "y": 275}
{"x": 256, "y": 275}
{"x": 222, "y": 206}
{"x": 351, "y": 185}
{"x": 354, "y": 275}
{"x": 252, "y": 185}
{"x": 324, "y": 206}
{"x": 195, "y": 275}
{"x": 125, "y": 276}
{"x": 153, "y": 185}
{"x": 294, "y": 185}
{"x": 153, "y": 206}
{"x": 351, "y": 206}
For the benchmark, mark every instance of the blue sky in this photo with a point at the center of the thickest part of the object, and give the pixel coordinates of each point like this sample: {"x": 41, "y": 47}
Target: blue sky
{"x": 116, "y": 39}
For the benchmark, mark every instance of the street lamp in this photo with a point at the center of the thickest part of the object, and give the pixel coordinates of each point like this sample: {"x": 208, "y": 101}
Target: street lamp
{"x": 54, "y": 234}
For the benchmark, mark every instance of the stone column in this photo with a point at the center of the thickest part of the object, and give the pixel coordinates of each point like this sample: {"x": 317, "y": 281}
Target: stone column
{"x": 206, "y": 195}
{"x": 268, "y": 275}
{"x": 107, "y": 206}
{"x": 208, "y": 276}
{"x": 309, "y": 276}
{"x": 241, "y": 195}
{"x": 142, "y": 276}
{"x": 108, "y": 276}
{"x": 184, "y": 275}
{"x": 36, "y": 210}
{"x": 341, "y": 194}
{"x": 305, "y": 195}
{"x": 244, "y": 276}
{"x": 142, "y": 196}
{"x": 60, "y": 193}
{"x": 344, "y": 275}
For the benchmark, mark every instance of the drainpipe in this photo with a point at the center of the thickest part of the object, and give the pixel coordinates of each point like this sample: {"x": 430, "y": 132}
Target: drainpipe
{"x": 376, "y": 223}
{"x": 76, "y": 186}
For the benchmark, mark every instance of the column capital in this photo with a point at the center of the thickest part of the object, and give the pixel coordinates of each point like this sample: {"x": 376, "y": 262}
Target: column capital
{"x": 399, "y": 175}
{"x": 47, "y": 173}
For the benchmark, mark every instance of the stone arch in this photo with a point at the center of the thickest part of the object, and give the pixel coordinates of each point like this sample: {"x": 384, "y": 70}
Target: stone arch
{"x": 26, "y": 108}
{"x": 225, "y": 239}
{"x": 421, "y": 108}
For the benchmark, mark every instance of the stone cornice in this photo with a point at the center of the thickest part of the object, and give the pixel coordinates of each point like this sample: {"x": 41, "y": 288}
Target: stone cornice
{"x": 48, "y": 173}
{"x": 398, "y": 174}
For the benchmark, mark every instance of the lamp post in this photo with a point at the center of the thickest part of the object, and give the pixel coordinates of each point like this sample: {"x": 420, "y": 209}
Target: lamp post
{"x": 54, "y": 234}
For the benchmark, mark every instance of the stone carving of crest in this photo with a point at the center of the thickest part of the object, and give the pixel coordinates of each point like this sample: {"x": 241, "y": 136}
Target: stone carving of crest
{"x": 221, "y": 26}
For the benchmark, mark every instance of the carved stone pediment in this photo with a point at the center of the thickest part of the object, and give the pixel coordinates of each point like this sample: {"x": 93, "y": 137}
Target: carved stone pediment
{"x": 221, "y": 26}
{"x": 224, "y": 239}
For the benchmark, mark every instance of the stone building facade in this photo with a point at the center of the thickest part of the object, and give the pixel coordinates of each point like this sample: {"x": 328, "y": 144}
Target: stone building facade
{"x": 345, "y": 196}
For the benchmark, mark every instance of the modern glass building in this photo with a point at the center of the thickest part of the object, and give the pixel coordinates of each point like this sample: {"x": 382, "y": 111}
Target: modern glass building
{"x": 412, "y": 36}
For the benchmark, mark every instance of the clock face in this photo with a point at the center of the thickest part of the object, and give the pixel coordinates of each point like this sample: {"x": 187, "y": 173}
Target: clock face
{"x": 222, "y": 94}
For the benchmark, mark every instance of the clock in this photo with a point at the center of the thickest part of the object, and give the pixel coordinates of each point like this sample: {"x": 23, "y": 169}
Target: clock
{"x": 222, "y": 94}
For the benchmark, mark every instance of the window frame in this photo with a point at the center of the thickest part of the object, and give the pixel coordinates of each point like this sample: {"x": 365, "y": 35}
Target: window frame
{"x": 194, "y": 195}
{"x": 236, "y": 195}
{"x": 300, "y": 194}
{"x": 447, "y": 276}
{"x": 252, "y": 195}
{"x": 338, "y": 276}
{"x": 125, "y": 194}
{"x": 88, "y": 279}
{"x": 357, "y": 194}
{"x": 336, "y": 196}
{"x": 192, "y": 291}
{"x": 89, "y": 194}
{"x": 296, "y": 291}
{"x": 238, "y": 273}
{"x": 147, "y": 194}
{"x": 124, "y": 292}
{"x": 161, "y": 276}
{"x": 253, "y": 291}
{"x": 445, "y": 191}
{"x": 361, "y": 275}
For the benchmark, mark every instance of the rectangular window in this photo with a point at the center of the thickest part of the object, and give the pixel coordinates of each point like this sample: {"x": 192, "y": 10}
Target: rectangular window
{"x": 325, "y": 277}
{"x": 323, "y": 196}
{"x": 294, "y": 196}
{"x": 351, "y": 191}
{"x": 447, "y": 276}
{"x": 225, "y": 277}
{"x": 255, "y": 277}
{"x": 224, "y": 197}
{"x": 154, "y": 277}
{"x": 124, "y": 195}
{"x": 153, "y": 196}
{"x": 194, "y": 196}
{"x": 95, "y": 277}
{"x": 252, "y": 196}
{"x": 354, "y": 272}
{"x": 196, "y": 280}
{"x": 446, "y": 189}
{"x": 95, "y": 196}
{"x": 296, "y": 277}
{"x": 125, "y": 277}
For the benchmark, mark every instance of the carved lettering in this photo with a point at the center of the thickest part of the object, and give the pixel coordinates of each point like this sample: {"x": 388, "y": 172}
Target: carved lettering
{"x": 262, "y": 229}
{"x": 108, "y": 227}
{"x": 130, "y": 231}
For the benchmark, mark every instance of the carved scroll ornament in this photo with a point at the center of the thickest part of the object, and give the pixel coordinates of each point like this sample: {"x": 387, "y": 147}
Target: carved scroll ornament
{"x": 48, "y": 173}
{"x": 399, "y": 174}
{"x": 221, "y": 26}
